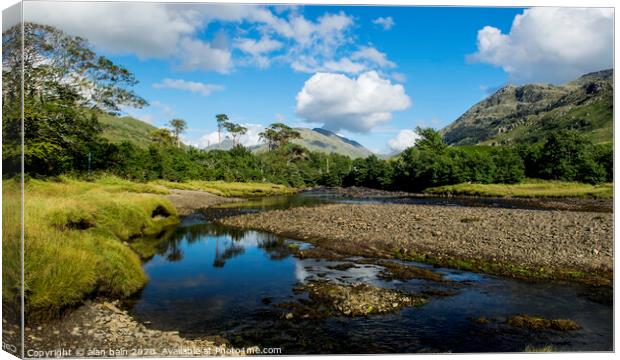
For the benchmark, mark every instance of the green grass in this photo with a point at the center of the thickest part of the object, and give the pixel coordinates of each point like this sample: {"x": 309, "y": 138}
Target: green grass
{"x": 539, "y": 349}
{"x": 530, "y": 188}
{"x": 229, "y": 189}
{"x": 76, "y": 239}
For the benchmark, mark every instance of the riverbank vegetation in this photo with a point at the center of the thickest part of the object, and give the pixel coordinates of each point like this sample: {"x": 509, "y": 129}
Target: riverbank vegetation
{"x": 75, "y": 239}
{"x": 229, "y": 189}
{"x": 529, "y": 188}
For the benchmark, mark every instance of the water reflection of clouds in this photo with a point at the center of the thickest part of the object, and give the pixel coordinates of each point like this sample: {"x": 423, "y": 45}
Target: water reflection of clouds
{"x": 197, "y": 281}
{"x": 300, "y": 271}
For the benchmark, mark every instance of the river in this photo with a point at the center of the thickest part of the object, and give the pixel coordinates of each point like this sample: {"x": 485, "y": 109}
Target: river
{"x": 207, "y": 280}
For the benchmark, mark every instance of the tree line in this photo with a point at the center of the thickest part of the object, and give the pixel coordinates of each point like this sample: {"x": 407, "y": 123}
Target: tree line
{"x": 68, "y": 86}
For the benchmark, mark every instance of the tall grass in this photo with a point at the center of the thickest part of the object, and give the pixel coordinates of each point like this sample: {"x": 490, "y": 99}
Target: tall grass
{"x": 531, "y": 188}
{"x": 229, "y": 189}
{"x": 76, "y": 236}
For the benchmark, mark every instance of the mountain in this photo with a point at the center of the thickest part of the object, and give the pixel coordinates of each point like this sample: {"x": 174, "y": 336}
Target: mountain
{"x": 516, "y": 114}
{"x": 315, "y": 140}
{"x": 126, "y": 128}
{"x": 326, "y": 141}
{"x": 118, "y": 129}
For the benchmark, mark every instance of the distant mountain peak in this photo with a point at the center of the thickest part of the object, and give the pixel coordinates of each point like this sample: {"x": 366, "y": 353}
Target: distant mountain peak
{"x": 331, "y": 133}
{"x": 528, "y": 112}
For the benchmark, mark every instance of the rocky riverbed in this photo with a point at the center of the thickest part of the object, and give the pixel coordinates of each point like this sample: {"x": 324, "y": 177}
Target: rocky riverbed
{"x": 522, "y": 243}
{"x": 103, "y": 329}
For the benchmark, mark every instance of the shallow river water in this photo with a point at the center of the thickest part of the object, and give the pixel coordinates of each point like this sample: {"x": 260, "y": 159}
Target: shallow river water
{"x": 207, "y": 280}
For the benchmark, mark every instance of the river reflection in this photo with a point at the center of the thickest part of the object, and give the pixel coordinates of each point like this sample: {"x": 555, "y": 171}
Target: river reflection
{"x": 208, "y": 279}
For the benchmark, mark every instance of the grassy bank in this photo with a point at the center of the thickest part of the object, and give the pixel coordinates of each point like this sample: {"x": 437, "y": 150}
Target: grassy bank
{"x": 87, "y": 237}
{"x": 229, "y": 189}
{"x": 531, "y": 188}
{"x": 75, "y": 239}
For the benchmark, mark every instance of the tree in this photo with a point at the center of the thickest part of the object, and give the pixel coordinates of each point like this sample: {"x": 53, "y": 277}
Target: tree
{"x": 222, "y": 120}
{"x": 430, "y": 140}
{"x": 178, "y": 126}
{"x": 568, "y": 155}
{"x": 66, "y": 86}
{"x": 270, "y": 136}
{"x": 162, "y": 137}
{"x": 57, "y": 65}
{"x": 277, "y": 135}
{"x": 235, "y": 131}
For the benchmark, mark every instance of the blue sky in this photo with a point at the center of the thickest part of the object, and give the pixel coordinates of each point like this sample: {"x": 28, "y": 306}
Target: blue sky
{"x": 370, "y": 73}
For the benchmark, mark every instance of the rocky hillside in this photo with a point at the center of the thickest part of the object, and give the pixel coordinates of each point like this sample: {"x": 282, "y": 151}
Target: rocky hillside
{"x": 516, "y": 114}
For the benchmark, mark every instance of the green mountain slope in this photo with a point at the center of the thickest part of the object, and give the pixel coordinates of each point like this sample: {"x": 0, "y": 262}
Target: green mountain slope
{"x": 326, "y": 141}
{"x": 119, "y": 129}
{"x": 316, "y": 140}
{"x": 528, "y": 113}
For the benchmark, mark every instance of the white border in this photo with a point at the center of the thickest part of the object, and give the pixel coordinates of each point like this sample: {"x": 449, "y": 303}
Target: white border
{"x": 480, "y": 3}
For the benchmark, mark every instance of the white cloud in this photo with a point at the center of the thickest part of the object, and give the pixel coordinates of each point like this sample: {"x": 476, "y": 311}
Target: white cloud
{"x": 198, "y": 54}
{"x": 386, "y": 22}
{"x": 402, "y": 140}
{"x": 399, "y": 77}
{"x": 192, "y": 86}
{"x": 179, "y": 32}
{"x": 144, "y": 29}
{"x": 366, "y": 58}
{"x": 148, "y": 30}
{"x": 250, "y": 138}
{"x": 257, "y": 47}
{"x": 373, "y": 55}
{"x": 550, "y": 44}
{"x": 343, "y": 103}
{"x": 344, "y": 65}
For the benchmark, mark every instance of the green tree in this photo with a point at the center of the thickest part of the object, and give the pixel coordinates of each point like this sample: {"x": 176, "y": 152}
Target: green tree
{"x": 430, "y": 140}
{"x": 178, "y": 126}
{"x": 162, "y": 137}
{"x": 568, "y": 155}
{"x": 235, "y": 131}
{"x": 66, "y": 85}
{"x": 278, "y": 135}
{"x": 222, "y": 120}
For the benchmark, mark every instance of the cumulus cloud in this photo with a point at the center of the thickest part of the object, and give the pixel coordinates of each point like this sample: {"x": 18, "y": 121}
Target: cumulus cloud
{"x": 148, "y": 30}
{"x": 404, "y": 139}
{"x": 178, "y": 32}
{"x": 198, "y": 54}
{"x": 355, "y": 104}
{"x": 251, "y": 138}
{"x": 550, "y": 44}
{"x": 192, "y": 86}
{"x": 385, "y": 22}
{"x": 145, "y": 29}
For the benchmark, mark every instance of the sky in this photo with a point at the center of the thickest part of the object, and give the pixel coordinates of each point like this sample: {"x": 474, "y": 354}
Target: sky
{"x": 369, "y": 73}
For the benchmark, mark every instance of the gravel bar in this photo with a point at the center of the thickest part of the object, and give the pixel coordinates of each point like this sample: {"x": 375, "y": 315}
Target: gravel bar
{"x": 524, "y": 243}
